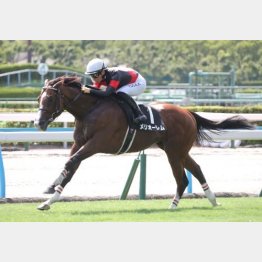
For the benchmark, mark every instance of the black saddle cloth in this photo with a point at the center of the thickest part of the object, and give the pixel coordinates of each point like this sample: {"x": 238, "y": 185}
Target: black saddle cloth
{"x": 153, "y": 122}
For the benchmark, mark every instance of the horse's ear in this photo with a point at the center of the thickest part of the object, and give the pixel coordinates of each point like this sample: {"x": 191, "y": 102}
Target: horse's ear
{"x": 73, "y": 81}
{"x": 46, "y": 81}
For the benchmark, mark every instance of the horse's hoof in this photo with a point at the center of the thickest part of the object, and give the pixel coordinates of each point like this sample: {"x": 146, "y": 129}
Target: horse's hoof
{"x": 215, "y": 203}
{"x": 49, "y": 190}
{"x": 43, "y": 206}
{"x": 173, "y": 206}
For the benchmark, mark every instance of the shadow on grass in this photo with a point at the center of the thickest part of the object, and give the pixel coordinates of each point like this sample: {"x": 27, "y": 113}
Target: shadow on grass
{"x": 142, "y": 211}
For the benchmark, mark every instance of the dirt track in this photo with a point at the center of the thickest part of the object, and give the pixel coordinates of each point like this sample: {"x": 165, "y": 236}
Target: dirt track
{"x": 28, "y": 173}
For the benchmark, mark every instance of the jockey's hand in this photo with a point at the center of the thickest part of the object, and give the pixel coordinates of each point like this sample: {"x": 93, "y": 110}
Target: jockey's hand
{"x": 85, "y": 89}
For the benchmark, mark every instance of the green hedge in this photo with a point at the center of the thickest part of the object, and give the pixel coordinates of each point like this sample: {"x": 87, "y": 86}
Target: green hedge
{"x": 229, "y": 109}
{"x": 7, "y": 107}
{"x": 213, "y": 109}
{"x": 250, "y": 90}
{"x": 250, "y": 83}
{"x": 19, "y": 92}
{"x": 7, "y": 124}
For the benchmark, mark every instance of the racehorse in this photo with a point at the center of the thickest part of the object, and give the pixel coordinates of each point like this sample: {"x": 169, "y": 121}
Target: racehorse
{"x": 100, "y": 127}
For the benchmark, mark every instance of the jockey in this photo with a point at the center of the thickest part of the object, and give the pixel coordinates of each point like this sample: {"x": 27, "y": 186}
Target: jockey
{"x": 126, "y": 82}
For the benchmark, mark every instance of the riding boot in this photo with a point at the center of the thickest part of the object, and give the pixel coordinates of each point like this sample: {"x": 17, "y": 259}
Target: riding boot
{"x": 139, "y": 115}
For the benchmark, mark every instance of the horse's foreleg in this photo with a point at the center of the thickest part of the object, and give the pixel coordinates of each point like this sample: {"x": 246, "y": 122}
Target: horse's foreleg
{"x": 196, "y": 171}
{"x": 46, "y": 205}
{"x": 51, "y": 188}
{"x": 70, "y": 168}
{"x": 60, "y": 182}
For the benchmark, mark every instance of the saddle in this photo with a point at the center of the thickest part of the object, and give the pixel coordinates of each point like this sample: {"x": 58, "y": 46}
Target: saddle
{"x": 153, "y": 122}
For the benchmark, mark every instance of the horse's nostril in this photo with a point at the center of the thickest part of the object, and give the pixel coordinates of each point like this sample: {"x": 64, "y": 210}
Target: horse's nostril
{"x": 36, "y": 122}
{"x": 41, "y": 125}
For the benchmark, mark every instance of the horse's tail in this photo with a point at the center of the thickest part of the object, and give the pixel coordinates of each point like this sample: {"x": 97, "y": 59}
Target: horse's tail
{"x": 234, "y": 122}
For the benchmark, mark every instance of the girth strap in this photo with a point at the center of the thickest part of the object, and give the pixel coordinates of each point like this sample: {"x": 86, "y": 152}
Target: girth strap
{"x": 128, "y": 140}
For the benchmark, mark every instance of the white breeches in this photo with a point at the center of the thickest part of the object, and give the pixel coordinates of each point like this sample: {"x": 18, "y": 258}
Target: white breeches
{"x": 135, "y": 88}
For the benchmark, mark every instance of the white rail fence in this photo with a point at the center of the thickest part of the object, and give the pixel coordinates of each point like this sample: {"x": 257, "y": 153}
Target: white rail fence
{"x": 67, "y": 136}
{"x": 66, "y": 117}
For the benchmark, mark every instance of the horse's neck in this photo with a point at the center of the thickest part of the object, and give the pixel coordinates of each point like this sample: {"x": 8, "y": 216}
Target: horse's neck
{"x": 81, "y": 106}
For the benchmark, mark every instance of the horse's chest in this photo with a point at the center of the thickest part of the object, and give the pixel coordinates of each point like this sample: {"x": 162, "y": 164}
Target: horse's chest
{"x": 84, "y": 130}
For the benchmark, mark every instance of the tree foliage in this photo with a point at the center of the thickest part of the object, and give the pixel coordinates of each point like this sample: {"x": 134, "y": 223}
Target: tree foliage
{"x": 160, "y": 61}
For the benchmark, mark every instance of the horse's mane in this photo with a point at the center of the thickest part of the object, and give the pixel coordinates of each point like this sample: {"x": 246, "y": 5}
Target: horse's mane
{"x": 72, "y": 81}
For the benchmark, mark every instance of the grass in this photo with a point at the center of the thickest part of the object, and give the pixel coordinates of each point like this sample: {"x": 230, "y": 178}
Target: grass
{"x": 246, "y": 209}
{"x": 20, "y": 92}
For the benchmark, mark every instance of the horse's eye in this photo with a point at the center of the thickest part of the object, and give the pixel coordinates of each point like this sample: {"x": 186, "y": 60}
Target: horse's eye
{"x": 49, "y": 101}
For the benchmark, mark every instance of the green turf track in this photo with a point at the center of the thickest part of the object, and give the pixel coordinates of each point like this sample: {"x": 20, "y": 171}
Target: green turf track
{"x": 241, "y": 209}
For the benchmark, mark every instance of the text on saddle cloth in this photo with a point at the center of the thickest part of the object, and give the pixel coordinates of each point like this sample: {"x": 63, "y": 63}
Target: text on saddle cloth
{"x": 153, "y": 122}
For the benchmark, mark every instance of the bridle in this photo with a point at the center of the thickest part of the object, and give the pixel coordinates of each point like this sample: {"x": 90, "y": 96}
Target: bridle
{"x": 59, "y": 97}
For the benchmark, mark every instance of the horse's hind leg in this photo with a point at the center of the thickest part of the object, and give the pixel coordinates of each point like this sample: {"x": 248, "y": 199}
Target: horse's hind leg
{"x": 177, "y": 165}
{"x": 181, "y": 186}
{"x": 196, "y": 171}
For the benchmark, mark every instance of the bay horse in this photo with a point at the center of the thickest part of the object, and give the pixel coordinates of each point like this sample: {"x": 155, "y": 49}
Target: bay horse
{"x": 100, "y": 127}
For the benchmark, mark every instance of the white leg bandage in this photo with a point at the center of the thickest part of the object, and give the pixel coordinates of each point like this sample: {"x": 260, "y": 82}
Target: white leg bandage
{"x": 175, "y": 202}
{"x": 209, "y": 194}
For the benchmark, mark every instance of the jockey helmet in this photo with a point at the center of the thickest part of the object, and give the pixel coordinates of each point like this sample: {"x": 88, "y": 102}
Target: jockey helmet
{"x": 95, "y": 66}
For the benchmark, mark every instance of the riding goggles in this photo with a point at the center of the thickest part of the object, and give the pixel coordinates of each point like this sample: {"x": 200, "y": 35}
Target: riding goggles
{"x": 95, "y": 75}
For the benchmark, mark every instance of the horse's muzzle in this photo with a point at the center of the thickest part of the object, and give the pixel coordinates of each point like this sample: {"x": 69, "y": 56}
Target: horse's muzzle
{"x": 41, "y": 122}
{"x": 41, "y": 125}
